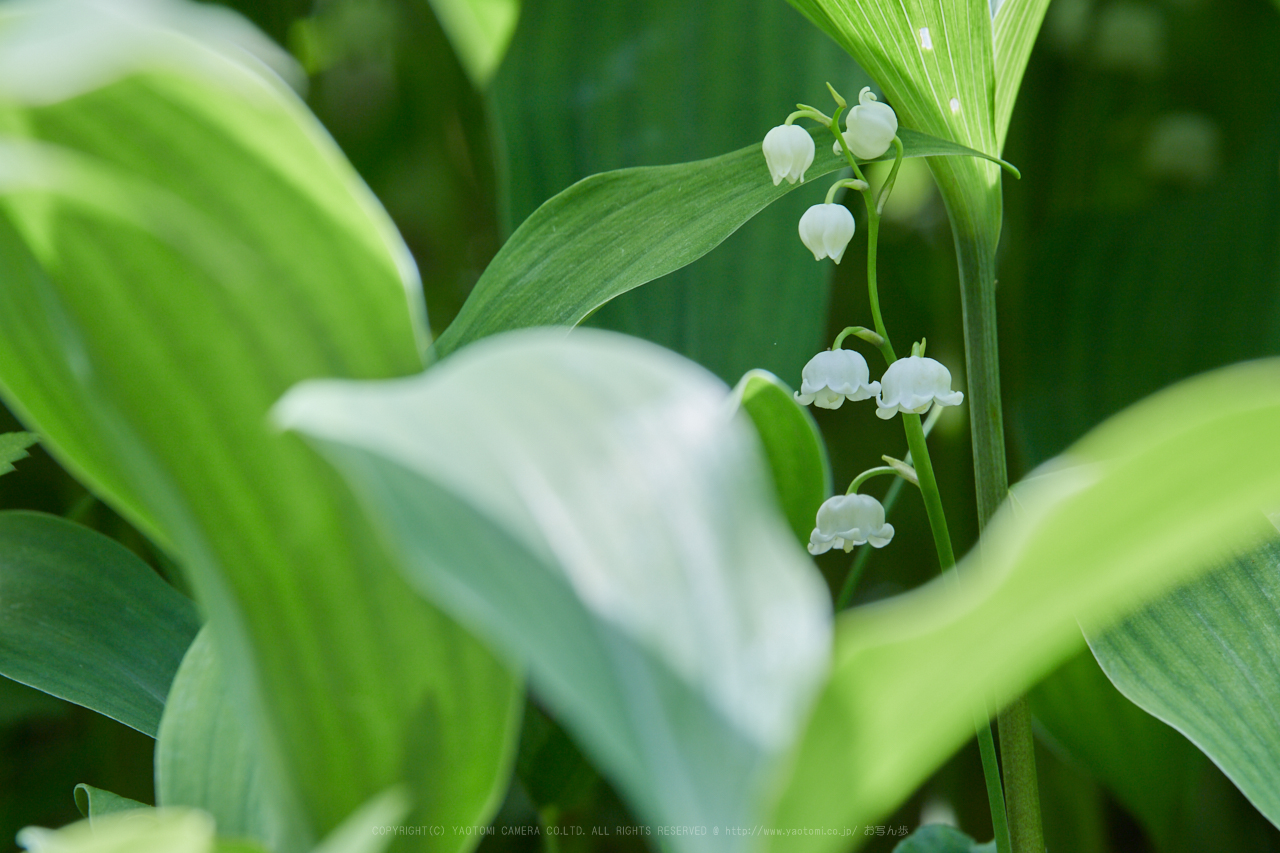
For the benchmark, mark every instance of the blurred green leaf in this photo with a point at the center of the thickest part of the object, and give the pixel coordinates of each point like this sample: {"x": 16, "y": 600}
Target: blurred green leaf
{"x": 95, "y": 802}
{"x": 939, "y": 838}
{"x": 793, "y": 446}
{"x": 87, "y": 621}
{"x": 206, "y": 759}
{"x": 1206, "y": 660}
{"x": 133, "y": 831}
{"x": 367, "y": 830}
{"x": 13, "y": 446}
{"x": 606, "y": 521}
{"x": 1139, "y": 504}
{"x": 181, "y": 244}
{"x": 612, "y": 232}
{"x": 480, "y": 31}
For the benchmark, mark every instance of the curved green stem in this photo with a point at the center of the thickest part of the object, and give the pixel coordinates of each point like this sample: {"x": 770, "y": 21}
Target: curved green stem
{"x": 893, "y": 176}
{"x": 883, "y": 470}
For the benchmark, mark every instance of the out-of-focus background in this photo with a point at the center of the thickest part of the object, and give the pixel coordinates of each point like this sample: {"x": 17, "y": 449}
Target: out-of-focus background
{"x": 1142, "y": 245}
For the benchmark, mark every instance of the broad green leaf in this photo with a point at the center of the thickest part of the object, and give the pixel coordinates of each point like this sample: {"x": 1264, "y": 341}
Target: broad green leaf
{"x": 641, "y": 82}
{"x": 13, "y": 446}
{"x": 87, "y": 621}
{"x": 206, "y": 757}
{"x": 612, "y": 232}
{"x": 480, "y": 31}
{"x": 134, "y": 831}
{"x": 939, "y": 838}
{"x": 607, "y": 522}
{"x": 94, "y": 802}
{"x": 793, "y": 446}
{"x": 1181, "y": 800}
{"x": 1136, "y": 506}
{"x": 1206, "y": 660}
{"x": 180, "y": 243}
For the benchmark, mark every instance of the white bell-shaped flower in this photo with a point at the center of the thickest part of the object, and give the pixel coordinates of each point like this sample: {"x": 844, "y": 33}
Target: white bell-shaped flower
{"x": 913, "y": 384}
{"x": 871, "y": 128}
{"x": 826, "y": 230}
{"x": 788, "y": 150}
{"x": 848, "y": 520}
{"x": 834, "y": 376}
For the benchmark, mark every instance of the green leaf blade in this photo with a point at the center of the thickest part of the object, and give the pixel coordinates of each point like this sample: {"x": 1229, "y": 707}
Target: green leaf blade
{"x": 13, "y": 446}
{"x": 87, "y": 621}
{"x": 479, "y": 31}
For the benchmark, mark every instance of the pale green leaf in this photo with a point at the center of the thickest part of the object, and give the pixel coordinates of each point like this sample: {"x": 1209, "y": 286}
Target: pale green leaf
{"x": 87, "y": 621}
{"x": 939, "y": 838}
{"x": 370, "y": 828}
{"x": 479, "y": 31}
{"x": 134, "y": 831}
{"x": 615, "y": 231}
{"x": 608, "y": 522}
{"x": 13, "y": 446}
{"x": 1206, "y": 660}
{"x": 94, "y": 802}
{"x": 793, "y": 446}
{"x": 180, "y": 242}
{"x": 207, "y": 758}
{"x": 1139, "y": 504}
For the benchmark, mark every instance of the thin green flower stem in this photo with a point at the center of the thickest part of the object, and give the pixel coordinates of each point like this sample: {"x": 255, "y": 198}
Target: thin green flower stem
{"x": 893, "y": 176}
{"x": 867, "y": 475}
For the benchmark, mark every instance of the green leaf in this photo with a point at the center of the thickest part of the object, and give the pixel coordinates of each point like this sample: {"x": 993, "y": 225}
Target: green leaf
{"x": 612, "y": 232}
{"x": 134, "y": 831}
{"x": 13, "y": 446}
{"x": 205, "y": 757}
{"x": 95, "y": 802}
{"x": 1136, "y": 506}
{"x": 1206, "y": 660}
{"x": 87, "y": 621}
{"x": 479, "y": 31}
{"x": 608, "y": 523}
{"x": 1016, "y": 24}
{"x": 180, "y": 243}
{"x": 365, "y": 831}
{"x": 793, "y": 446}
{"x": 939, "y": 838}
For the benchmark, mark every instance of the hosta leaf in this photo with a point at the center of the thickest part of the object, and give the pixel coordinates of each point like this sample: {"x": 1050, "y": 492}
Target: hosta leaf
{"x": 1143, "y": 501}
{"x": 13, "y": 446}
{"x": 611, "y": 232}
{"x": 606, "y": 521}
{"x": 181, "y": 242}
{"x": 1206, "y": 660}
{"x": 87, "y": 621}
{"x": 793, "y": 446}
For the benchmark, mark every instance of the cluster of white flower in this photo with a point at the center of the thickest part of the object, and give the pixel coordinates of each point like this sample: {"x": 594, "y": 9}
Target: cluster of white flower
{"x": 913, "y": 384}
{"x": 826, "y": 229}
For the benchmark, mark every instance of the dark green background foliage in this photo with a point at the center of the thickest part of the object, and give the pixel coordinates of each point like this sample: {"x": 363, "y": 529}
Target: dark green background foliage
{"x": 1141, "y": 246}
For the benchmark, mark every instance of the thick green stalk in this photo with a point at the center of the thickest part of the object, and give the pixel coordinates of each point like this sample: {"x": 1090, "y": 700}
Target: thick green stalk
{"x": 972, "y": 192}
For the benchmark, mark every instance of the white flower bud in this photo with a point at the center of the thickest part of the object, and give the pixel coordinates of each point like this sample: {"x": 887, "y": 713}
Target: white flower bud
{"x": 913, "y": 384}
{"x": 826, "y": 230}
{"x": 848, "y": 520}
{"x": 834, "y": 376}
{"x": 871, "y": 128}
{"x": 788, "y": 151}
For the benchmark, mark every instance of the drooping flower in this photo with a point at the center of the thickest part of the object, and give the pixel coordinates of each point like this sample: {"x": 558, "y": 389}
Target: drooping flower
{"x": 833, "y": 376}
{"x": 788, "y": 151}
{"x": 913, "y": 384}
{"x": 871, "y": 127}
{"x": 848, "y": 520}
{"x": 826, "y": 230}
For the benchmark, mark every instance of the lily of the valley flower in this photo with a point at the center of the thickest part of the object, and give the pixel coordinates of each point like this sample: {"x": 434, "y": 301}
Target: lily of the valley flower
{"x": 834, "y": 376}
{"x": 788, "y": 151}
{"x": 826, "y": 230}
{"x": 848, "y": 520}
{"x": 871, "y": 127}
{"x": 913, "y": 384}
